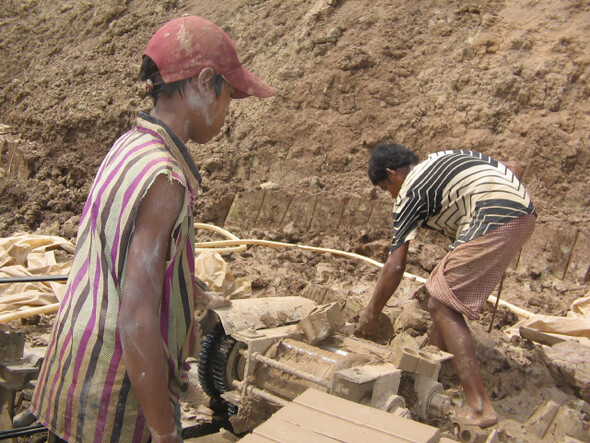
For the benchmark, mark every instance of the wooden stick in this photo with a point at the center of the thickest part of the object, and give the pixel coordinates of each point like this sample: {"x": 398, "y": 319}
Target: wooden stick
{"x": 497, "y": 303}
{"x": 518, "y": 311}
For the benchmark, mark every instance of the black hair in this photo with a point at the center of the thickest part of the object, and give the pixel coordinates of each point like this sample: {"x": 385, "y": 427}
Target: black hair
{"x": 389, "y": 156}
{"x": 149, "y": 71}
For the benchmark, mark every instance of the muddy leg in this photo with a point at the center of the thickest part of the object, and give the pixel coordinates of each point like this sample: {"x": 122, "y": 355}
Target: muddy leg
{"x": 455, "y": 334}
{"x": 435, "y": 338}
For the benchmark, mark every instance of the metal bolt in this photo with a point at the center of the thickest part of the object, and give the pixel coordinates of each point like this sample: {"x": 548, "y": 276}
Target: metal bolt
{"x": 439, "y": 405}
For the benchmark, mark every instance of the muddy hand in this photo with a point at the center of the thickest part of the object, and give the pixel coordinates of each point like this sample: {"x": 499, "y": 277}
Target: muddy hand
{"x": 213, "y": 300}
{"x": 367, "y": 327}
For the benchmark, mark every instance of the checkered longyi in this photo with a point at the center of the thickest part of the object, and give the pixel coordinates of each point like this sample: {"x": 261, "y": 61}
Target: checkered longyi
{"x": 467, "y": 275}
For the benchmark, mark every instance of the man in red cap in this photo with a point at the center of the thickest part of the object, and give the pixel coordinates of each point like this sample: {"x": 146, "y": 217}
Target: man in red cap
{"x": 115, "y": 364}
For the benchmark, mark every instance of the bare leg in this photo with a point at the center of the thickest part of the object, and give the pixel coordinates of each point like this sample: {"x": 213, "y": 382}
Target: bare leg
{"x": 455, "y": 333}
{"x": 435, "y": 338}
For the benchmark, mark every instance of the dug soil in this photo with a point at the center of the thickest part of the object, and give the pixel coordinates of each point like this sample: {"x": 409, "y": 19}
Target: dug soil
{"x": 506, "y": 78}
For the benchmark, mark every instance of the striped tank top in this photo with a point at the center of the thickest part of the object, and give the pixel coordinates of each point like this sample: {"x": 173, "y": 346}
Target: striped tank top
{"x": 83, "y": 392}
{"x": 462, "y": 194}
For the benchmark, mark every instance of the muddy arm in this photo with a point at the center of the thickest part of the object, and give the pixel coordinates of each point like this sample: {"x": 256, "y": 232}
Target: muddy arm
{"x": 389, "y": 279}
{"x": 139, "y": 318}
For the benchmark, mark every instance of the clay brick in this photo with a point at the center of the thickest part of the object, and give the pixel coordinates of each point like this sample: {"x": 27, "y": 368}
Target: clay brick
{"x": 332, "y": 426}
{"x": 547, "y": 250}
{"x": 356, "y": 213}
{"x": 285, "y": 432}
{"x": 273, "y": 209}
{"x": 543, "y": 417}
{"x": 327, "y": 214}
{"x": 579, "y": 265}
{"x": 567, "y": 422}
{"x": 419, "y": 362}
{"x": 406, "y": 359}
{"x": 254, "y": 438}
{"x": 353, "y": 422}
{"x": 300, "y": 211}
{"x": 314, "y": 292}
{"x": 244, "y": 210}
{"x": 322, "y": 322}
{"x": 427, "y": 366}
{"x": 382, "y": 215}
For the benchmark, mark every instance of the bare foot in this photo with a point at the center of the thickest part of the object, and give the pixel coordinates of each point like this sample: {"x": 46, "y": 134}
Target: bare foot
{"x": 482, "y": 419}
{"x": 212, "y": 300}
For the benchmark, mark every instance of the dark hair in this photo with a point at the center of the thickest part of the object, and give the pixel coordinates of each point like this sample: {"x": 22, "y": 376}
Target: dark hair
{"x": 389, "y": 156}
{"x": 149, "y": 71}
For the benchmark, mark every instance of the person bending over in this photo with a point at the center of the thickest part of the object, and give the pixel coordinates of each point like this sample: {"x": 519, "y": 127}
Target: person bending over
{"x": 483, "y": 207}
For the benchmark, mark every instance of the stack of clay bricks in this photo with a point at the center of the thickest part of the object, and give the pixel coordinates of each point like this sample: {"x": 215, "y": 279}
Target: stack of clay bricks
{"x": 319, "y": 417}
{"x": 561, "y": 251}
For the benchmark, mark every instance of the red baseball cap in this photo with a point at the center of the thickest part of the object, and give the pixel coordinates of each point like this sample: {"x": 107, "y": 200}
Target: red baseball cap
{"x": 184, "y": 46}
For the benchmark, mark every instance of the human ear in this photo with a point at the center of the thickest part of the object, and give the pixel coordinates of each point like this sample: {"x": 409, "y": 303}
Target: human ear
{"x": 204, "y": 81}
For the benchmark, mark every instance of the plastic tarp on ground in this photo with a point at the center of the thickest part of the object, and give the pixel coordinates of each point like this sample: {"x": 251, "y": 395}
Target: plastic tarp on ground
{"x": 574, "y": 326}
{"x": 213, "y": 270}
{"x": 31, "y": 255}
{"x": 23, "y": 255}
{"x": 34, "y": 255}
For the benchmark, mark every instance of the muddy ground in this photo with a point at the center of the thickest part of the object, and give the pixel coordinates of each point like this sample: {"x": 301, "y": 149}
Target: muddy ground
{"x": 507, "y": 78}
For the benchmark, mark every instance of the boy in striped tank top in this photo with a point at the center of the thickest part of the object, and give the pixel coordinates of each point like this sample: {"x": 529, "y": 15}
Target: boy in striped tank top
{"x": 481, "y": 205}
{"x": 116, "y": 360}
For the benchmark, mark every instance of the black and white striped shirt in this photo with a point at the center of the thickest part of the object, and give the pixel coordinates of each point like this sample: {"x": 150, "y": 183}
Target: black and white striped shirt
{"x": 462, "y": 194}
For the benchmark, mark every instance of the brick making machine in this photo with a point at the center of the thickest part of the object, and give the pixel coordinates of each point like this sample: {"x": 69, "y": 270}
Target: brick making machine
{"x": 270, "y": 350}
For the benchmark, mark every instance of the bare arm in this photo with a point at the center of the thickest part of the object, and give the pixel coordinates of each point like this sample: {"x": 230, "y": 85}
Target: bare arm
{"x": 389, "y": 279}
{"x": 139, "y": 317}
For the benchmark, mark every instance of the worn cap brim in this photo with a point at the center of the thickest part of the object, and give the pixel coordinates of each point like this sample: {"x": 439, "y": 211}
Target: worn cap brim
{"x": 247, "y": 84}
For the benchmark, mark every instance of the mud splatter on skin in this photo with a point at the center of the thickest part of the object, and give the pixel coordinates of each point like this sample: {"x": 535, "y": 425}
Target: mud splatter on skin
{"x": 200, "y": 104}
{"x": 209, "y": 107}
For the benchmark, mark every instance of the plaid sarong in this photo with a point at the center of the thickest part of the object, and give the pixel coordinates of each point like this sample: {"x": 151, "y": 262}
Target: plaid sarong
{"x": 467, "y": 275}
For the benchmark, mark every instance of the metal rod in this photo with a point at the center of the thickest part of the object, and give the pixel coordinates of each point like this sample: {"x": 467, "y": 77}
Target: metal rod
{"x": 289, "y": 370}
{"x": 33, "y": 278}
{"x": 260, "y": 393}
{"x": 293, "y": 347}
{"x": 497, "y": 303}
{"x": 21, "y": 432}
